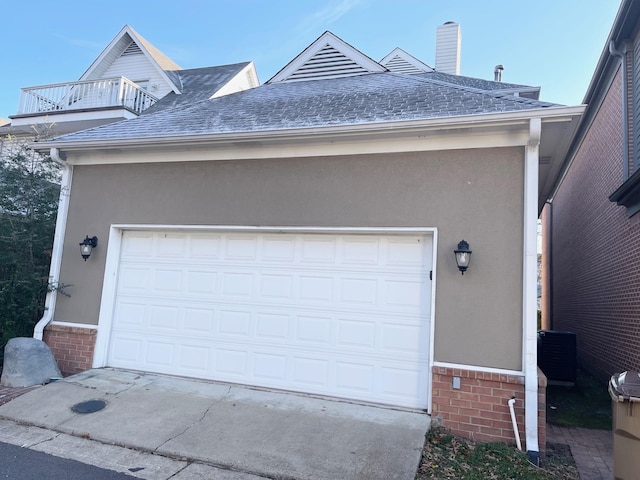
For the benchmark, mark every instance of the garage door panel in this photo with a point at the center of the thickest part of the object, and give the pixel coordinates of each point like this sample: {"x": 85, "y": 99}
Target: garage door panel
{"x": 198, "y": 321}
{"x": 344, "y": 316}
{"x": 170, "y": 246}
{"x": 332, "y": 331}
{"x": 205, "y": 248}
{"x": 132, "y": 279}
{"x": 311, "y": 371}
{"x": 273, "y": 326}
{"x": 137, "y": 245}
{"x": 236, "y": 323}
{"x": 126, "y": 350}
{"x": 231, "y": 364}
{"x": 195, "y": 359}
{"x": 276, "y": 249}
{"x": 270, "y": 366}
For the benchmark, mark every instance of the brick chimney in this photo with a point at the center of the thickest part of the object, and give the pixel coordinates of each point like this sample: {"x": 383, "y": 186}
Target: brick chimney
{"x": 448, "y": 42}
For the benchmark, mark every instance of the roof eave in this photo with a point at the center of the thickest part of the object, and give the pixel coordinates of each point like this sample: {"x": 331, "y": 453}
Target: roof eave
{"x": 548, "y": 114}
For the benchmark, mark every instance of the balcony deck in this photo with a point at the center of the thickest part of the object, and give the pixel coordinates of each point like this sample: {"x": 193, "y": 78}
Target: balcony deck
{"x": 93, "y": 94}
{"x": 63, "y": 108}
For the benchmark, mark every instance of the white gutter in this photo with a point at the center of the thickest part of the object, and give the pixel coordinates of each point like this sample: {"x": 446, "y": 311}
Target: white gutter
{"x": 520, "y": 117}
{"x": 529, "y": 294}
{"x": 58, "y": 242}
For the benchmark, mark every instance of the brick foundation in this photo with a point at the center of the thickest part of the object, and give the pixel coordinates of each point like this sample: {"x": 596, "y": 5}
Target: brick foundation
{"x": 479, "y": 410}
{"x": 72, "y": 347}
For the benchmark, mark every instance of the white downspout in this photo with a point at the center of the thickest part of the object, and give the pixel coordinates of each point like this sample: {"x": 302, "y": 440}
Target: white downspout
{"x": 621, "y": 54}
{"x": 529, "y": 314}
{"x": 58, "y": 242}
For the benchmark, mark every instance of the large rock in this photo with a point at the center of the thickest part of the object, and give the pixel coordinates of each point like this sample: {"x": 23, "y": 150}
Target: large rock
{"x": 28, "y": 362}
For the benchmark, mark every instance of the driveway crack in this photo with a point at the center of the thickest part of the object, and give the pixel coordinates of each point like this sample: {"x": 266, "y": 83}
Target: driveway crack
{"x": 202, "y": 417}
{"x": 44, "y": 440}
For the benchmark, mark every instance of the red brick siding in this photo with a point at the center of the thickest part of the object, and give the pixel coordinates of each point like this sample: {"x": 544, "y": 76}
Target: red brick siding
{"x": 479, "y": 410}
{"x": 72, "y": 347}
{"x": 596, "y": 250}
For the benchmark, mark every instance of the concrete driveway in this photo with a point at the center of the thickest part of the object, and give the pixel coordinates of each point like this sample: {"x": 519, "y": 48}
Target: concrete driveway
{"x": 245, "y": 433}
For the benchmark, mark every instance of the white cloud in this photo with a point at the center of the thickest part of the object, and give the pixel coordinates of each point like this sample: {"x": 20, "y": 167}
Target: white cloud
{"x": 321, "y": 19}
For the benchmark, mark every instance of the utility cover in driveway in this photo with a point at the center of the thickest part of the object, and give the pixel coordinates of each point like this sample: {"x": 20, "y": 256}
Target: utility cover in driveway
{"x": 339, "y": 315}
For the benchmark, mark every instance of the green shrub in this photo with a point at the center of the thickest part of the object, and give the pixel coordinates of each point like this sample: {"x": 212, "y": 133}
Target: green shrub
{"x": 29, "y": 192}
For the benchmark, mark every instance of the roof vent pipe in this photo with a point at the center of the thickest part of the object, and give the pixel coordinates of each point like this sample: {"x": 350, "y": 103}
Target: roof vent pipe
{"x": 497, "y": 73}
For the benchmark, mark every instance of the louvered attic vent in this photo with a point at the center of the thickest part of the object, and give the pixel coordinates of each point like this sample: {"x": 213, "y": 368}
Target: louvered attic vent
{"x": 327, "y": 63}
{"x": 132, "y": 49}
{"x": 400, "y": 65}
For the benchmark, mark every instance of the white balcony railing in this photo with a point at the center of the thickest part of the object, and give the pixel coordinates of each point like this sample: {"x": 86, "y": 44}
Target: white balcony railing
{"x": 92, "y": 94}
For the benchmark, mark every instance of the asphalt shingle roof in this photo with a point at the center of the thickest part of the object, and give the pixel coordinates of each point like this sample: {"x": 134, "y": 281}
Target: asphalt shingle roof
{"x": 473, "y": 82}
{"x": 197, "y": 84}
{"x": 365, "y": 99}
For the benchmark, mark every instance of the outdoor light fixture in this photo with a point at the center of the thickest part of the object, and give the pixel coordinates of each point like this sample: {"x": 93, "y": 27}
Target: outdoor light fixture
{"x": 87, "y": 245}
{"x": 463, "y": 256}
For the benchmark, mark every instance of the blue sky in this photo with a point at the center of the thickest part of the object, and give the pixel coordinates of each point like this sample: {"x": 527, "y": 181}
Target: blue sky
{"x": 554, "y": 44}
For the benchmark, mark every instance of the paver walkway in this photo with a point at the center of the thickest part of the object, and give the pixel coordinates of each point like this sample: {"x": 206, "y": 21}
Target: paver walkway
{"x": 592, "y": 450}
{"x": 9, "y": 393}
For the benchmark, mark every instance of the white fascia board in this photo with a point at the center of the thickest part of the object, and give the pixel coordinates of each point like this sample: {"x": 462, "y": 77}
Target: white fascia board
{"x": 317, "y": 147}
{"x": 494, "y": 121}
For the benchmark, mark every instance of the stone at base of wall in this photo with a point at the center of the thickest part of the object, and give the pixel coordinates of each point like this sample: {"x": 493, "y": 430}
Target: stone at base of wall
{"x": 479, "y": 408}
{"x": 72, "y": 347}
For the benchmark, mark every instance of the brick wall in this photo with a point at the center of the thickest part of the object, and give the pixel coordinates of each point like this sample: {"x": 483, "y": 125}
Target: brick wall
{"x": 596, "y": 250}
{"x": 72, "y": 347}
{"x": 479, "y": 409}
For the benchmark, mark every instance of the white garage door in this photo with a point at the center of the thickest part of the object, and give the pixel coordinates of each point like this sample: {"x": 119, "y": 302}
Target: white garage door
{"x": 338, "y": 315}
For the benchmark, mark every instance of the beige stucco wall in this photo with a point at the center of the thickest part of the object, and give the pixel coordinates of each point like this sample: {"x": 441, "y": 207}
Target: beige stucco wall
{"x": 474, "y": 195}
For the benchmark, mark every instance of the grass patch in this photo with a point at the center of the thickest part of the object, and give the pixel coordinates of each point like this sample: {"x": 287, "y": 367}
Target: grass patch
{"x": 448, "y": 457}
{"x": 586, "y": 405}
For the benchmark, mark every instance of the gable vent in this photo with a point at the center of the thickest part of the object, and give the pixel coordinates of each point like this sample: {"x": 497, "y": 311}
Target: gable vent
{"x": 328, "y": 62}
{"x": 132, "y": 49}
{"x": 400, "y": 65}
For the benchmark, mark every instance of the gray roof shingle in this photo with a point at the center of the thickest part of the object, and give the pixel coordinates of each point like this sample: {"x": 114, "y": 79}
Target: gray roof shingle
{"x": 197, "y": 84}
{"x": 365, "y": 99}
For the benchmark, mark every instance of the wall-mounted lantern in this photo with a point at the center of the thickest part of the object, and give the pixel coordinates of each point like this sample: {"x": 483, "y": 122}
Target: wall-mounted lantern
{"x": 87, "y": 245}
{"x": 463, "y": 256}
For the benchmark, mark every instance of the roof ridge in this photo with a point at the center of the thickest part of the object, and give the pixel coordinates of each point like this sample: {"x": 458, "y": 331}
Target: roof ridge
{"x": 187, "y": 70}
{"x": 494, "y": 93}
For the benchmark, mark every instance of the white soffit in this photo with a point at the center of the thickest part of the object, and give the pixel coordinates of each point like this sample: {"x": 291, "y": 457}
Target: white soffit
{"x": 327, "y": 57}
{"x": 401, "y": 62}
